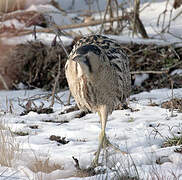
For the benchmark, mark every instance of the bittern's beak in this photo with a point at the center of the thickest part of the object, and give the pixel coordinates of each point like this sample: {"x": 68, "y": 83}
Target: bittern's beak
{"x": 79, "y": 58}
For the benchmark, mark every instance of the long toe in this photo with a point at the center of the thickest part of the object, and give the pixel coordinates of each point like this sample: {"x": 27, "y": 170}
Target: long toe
{"x": 94, "y": 163}
{"x": 107, "y": 143}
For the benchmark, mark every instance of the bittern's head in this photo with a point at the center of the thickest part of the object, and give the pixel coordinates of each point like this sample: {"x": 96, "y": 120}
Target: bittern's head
{"x": 88, "y": 57}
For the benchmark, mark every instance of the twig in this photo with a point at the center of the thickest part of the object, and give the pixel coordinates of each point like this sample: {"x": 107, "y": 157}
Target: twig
{"x": 117, "y": 13}
{"x": 104, "y": 19}
{"x": 157, "y": 72}
{"x": 149, "y": 72}
{"x": 172, "y": 98}
{"x": 111, "y": 13}
{"x": 70, "y": 26}
{"x": 141, "y": 28}
{"x": 56, "y": 5}
{"x": 98, "y": 7}
{"x": 4, "y": 82}
{"x": 138, "y": 26}
{"x": 177, "y": 15}
{"x": 174, "y": 35}
{"x": 164, "y": 15}
{"x": 136, "y": 13}
{"x": 58, "y": 33}
{"x": 173, "y": 49}
{"x": 56, "y": 29}
{"x": 110, "y": 10}
{"x": 170, "y": 19}
{"x": 59, "y": 99}
{"x": 173, "y": 19}
{"x": 146, "y": 6}
{"x": 37, "y": 97}
{"x": 156, "y": 131}
{"x": 175, "y": 65}
{"x": 69, "y": 99}
{"x": 56, "y": 81}
{"x": 77, "y": 166}
{"x": 34, "y": 33}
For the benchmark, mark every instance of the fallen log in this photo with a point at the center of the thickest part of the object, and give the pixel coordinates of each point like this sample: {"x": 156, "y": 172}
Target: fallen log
{"x": 70, "y": 26}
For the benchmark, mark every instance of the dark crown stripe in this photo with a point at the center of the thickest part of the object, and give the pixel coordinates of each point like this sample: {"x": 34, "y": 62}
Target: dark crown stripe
{"x": 85, "y": 49}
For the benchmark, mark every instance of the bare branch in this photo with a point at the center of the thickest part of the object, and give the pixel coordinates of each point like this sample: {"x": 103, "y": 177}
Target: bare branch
{"x": 77, "y": 166}
{"x": 4, "y": 82}
{"x": 70, "y": 26}
{"x": 149, "y": 72}
{"x": 56, "y": 82}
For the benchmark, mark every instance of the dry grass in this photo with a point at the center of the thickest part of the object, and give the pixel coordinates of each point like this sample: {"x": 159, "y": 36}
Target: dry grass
{"x": 160, "y": 174}
{"x": 9, "y": 148}
{"x": 8, "y": 75}
{"x": 10, "y": 152}
{"x": 11, "y": 5}
{"x": 44, "y": 165}
{"x": 39, "y": 68}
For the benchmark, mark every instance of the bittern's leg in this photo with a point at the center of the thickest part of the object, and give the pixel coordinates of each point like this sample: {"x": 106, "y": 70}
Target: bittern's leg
{"x": 102, "y": 137}
{"x": 103, "y": 141}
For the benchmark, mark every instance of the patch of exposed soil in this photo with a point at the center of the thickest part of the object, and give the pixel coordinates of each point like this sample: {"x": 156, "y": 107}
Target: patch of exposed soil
{"x": 31, "y": 106}
{"x": 36, "y": 65}
{"x": 175, "y": 103}
{"x": 61, "y": 140}
{"x": 155, "y": 58}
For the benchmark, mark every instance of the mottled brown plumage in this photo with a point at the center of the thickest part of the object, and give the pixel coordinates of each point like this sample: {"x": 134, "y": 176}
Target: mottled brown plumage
{"x": 99, "y": 79}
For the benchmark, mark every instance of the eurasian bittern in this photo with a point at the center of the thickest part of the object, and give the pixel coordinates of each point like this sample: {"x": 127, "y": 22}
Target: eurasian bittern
{"x": 99, "y": 79}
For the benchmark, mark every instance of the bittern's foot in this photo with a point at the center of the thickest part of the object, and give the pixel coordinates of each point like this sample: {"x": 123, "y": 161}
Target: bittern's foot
{"x": 108, "y": 143}
{"x": 105, "y": 143}
{"x": 94, "y": 163}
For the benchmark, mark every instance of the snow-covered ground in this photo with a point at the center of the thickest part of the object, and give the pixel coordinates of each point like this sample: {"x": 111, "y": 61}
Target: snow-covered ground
{"x": 134, "y": 132}
{"x": 141, "y": 133}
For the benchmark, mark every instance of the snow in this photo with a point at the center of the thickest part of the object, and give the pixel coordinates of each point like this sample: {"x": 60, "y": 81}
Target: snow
{"x": 131, "y": 131}
{"x": 134, "y": 132}
{"x": 13, "y": 22}
{"x": 139, "y": 78}
{"x": 58, "y": 17}
{"x": 33, "y": 2}
{"x": 46, "y": 38}
{"x": 177, "y": 71}
{"x": 150, "y": 21}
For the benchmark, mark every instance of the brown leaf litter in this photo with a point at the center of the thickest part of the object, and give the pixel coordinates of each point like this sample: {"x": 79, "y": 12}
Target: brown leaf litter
{"x": 36, "y": 65}
{"x": 61, "y": 140}
{"x": 175, "y": 103}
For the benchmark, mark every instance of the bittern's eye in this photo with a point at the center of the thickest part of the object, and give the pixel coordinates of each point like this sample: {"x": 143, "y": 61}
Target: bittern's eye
{"x": 76, "y": 58}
